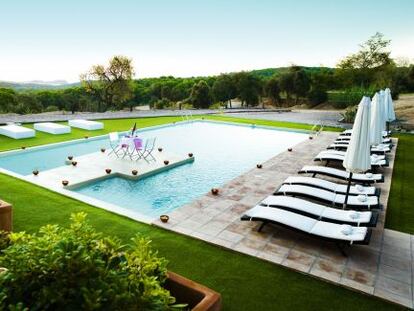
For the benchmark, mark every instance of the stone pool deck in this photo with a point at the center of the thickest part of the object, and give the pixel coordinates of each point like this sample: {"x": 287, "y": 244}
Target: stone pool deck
{"x": 384, "y": 268}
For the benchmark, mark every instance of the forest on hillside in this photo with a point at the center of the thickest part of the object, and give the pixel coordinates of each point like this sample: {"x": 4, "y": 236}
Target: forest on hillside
{"x": 112, "y": 86}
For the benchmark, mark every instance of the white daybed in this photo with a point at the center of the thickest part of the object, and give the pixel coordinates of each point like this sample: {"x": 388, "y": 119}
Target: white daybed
{"x": 16, "y": 131}
{"x": 86, "y": 124}
{"x": 52, "y": 128}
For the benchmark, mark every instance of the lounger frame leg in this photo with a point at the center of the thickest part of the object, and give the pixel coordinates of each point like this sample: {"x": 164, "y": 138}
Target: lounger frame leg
{"x": 341, "y": 248}
{"x": 262, "y": 226}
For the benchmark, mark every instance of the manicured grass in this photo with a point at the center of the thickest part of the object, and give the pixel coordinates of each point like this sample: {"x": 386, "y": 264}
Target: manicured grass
{"x": 400, "y": 212}
{"x": 41, "y": 138}
{"x": 246, "y": 283}
{"x": 281, "y": 124}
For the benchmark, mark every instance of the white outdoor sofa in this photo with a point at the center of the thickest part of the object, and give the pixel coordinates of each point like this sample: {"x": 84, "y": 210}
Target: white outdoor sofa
{"x": 16, "y": 131}
{"x": 86, "y": 124}
{"x": 52, "y": 128}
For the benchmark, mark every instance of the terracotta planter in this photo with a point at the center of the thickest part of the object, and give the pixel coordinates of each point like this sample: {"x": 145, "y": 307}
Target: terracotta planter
{"x": 197, "y": 296}
{"x": 164, "y": 218}
{"x": 6, "y": 216}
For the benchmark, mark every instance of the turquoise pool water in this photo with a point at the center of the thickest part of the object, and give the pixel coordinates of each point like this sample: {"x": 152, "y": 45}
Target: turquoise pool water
{"x": 222, "y": 152}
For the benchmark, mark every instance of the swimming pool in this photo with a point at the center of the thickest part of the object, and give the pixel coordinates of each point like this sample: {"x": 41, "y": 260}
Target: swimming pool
{"x": 222, "y": 152}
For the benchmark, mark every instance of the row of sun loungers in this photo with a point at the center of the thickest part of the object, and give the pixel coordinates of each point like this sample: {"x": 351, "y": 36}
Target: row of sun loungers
{"x": 18, "y": 132}
{"x": 317, "y": 206}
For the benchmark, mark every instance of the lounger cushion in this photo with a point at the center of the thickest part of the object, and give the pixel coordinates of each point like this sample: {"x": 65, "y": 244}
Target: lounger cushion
{"x": 328, "y": 185}
{"x": 367, "y": 177}
{"x": 318, "y": 210}
{"x": 52, "y": 128}
{"x": 325, "y": 156}
{"x": 16, "y": 131}
{"x": 86, "y": 124}
{"x": 333, "y": 231}
{"x": 306, "y": 224}
{"x": 327, "y": 195}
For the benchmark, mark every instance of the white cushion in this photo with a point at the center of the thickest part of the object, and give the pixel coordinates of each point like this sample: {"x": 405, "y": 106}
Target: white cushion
{"x": 16, "y": 131}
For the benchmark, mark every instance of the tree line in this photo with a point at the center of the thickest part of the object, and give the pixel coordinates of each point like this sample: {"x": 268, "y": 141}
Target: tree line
{"x": 112, "y": 87}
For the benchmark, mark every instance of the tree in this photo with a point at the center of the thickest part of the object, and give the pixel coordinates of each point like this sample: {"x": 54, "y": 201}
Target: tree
{"x": 8, "y": 100}
{"x": 286, "y": 84}
{"x": 272, "y": 90}
{"x": 301, "y": 83}
{"x": 249, "y": 88}
{"x": 200, "y": 95}
{"x": 111, "y": 85}
{"x": 224, "y": 89}
{"x": 372, "y": 54}
{"x": 27, "y": 103}
{"x": 362, "y": 66}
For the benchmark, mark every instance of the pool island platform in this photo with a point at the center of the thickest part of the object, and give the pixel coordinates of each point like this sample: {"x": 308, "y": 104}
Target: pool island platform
{"x": 93, "y": 167}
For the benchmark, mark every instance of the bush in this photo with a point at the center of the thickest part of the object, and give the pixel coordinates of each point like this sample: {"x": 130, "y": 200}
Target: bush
{"x": 162, "y": 104}
{"x": 51, "y": 108}
{"x": 317, "y": 96}
{"x": 349, "y": 115}
{"x": 77, "y": 268}
{"x": 349, "y": 97}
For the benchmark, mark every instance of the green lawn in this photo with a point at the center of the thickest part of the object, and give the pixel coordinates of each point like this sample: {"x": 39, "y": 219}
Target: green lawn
{"x": 400, "y": 212}
{"x": 246, "y": 283}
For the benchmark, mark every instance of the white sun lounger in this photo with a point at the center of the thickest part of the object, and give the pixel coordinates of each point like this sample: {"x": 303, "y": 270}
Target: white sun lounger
{"x": 52, "y": 128}
{"x": 360, "y": 201}
{"x": 342, "y": 153}
{"x": 331, "y": 186}
{"x": 349, "y": 133}
{"x": 374, "y": 149}
{"x": 16, "y": 131}
{"x": 337, "y": 157}
{"x": 341, "y": 234}
{"x": 321, "y": 212}
{"x": 86, "y": 124}
{"x": 366, "y": 178}
{"x": 348, "y": 138}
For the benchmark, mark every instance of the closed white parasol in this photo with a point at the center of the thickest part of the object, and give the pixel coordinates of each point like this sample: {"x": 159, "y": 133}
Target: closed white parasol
{"x": 358, "y": 155}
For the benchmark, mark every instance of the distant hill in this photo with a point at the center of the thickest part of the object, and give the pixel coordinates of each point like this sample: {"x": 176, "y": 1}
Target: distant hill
{"x": 62, "y": 84}
{"x": 37, "y": 85}
{"x": 269, "y": 72}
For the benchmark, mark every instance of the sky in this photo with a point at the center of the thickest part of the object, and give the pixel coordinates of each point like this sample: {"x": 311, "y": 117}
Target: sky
{"x": 60, "y": 39}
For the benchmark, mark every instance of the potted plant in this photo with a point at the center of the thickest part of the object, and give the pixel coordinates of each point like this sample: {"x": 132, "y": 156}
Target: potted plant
{"x": 77, "y": 268}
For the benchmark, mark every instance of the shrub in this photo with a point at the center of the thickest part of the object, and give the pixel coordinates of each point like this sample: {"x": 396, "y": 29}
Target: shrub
{"x": 348, "y": 116}
{"x": 51, "y": 108}
{"x": 77, "y": 268}
{"x": 317, "y": 96}
{"x": 162, "y": 103}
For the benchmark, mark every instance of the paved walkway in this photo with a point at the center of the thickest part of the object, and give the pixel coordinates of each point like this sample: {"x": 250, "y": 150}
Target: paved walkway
{"x": 383, "y": 268}
{"x": 330, "y": 118}
{"x": 300, "y": 116}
